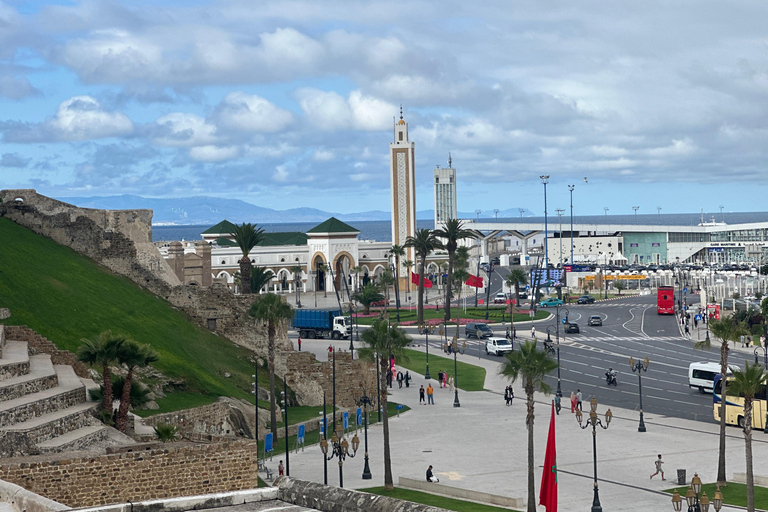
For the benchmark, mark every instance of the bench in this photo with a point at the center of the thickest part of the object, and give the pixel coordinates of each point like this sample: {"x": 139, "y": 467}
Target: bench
{"x": 270, "y": 473}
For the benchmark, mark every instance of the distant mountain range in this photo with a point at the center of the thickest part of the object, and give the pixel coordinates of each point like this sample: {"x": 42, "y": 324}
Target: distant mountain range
{"x": 210, "y": 210}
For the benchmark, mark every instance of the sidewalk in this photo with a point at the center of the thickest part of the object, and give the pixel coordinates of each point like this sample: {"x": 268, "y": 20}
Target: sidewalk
{"x": 483, "y": 446}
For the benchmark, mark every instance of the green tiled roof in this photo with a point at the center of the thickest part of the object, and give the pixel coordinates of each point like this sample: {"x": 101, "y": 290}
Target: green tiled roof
{"x": 333, "y": 225}
{"x": 225, "y": 242}
{"x": 223, "y": 227}
{"x": 290, "y": 238}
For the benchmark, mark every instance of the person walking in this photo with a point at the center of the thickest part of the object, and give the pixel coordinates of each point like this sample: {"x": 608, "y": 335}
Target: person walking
{"x": 299, "y": 343}
{"x": 557, "y": 403}
{"x": 400, "y": 380}
{"x": 659, "y": 468}
{"x": 450, "y": 383}
{"x": 578, "y": 399}
{"x": 430, "y": 394}
{"x": 533, "y": 331}
{"x": 280, "y": 469}
{"x": 407, "y": 379}
{"x": 445, "y": 379}
{"x": 573, "y": 402}
{"x": 421, "y": 395}
{"x": 506, "y": 395}
{"x": 440, "y": 378}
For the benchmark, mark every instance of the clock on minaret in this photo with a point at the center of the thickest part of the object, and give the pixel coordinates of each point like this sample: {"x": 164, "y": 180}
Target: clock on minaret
{"x": 402, "y": 189}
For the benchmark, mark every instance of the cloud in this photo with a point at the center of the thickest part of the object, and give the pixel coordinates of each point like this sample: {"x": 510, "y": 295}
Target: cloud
{"x": 281, "y": 174}
{"x": 184, "y": 130}
{"x": 332, "y": 111}
{"x": 251, "y": 113}
{"x": 14, "y": 160}
{"x": 322, "y": 155}
{"x": 16, "y": 88}
{"x": 214, "y": 153}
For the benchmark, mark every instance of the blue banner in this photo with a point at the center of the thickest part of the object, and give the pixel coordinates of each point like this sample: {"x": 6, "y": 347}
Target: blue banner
{"x": 268, "y": 443}
{"x": 359, "y": 416}
{"x": 346, "y": 420}
{"x": 322, "y": 427}
{"x": 300, "y": 436}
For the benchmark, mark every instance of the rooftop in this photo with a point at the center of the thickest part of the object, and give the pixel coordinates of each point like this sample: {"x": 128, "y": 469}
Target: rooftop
{"x": 333, "y": 225}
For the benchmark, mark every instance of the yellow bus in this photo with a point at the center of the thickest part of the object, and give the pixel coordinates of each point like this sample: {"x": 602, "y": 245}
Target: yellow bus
{"x": 734, "y": 406}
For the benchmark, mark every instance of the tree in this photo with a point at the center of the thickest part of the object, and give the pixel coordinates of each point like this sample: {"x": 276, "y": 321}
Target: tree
{"x": 367, "y": 295}
{"x": 102, "y": 350}
{"x": 532, "y": 366}
{"x": 398, "y": 252}
{"x": 383, "y": 342}
{"x": 515, "y": 278}
{"x": 423, "y": 243}
{"x": 322, "y": 267}
{"x": 619, "y": 285}
{"x": 260, "y": 277}
{"x": 451, "y": 232}
{"x": 748, "y": 383}
{"x": 139, "y": 392}
{"x": 133, "y": 355}
{"x": 727, "y": 329}
{"x": 297, "y": 270}
{"x": 459, "y": 276}
{"x": 246, "y": 236}
{"x": 272, "y": 310}
{"x": 408, "y": 264}
{"x": 385, "y": 280}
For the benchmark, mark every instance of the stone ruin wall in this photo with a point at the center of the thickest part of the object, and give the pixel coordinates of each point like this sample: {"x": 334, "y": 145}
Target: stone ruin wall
{"x": 38, "y": 344}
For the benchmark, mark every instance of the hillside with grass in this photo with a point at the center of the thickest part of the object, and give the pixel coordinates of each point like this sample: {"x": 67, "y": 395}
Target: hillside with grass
{"x": 66, "y": 297}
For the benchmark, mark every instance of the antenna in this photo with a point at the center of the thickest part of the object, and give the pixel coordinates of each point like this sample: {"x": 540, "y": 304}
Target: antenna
{"x": 450, "y": 164}
{"x": 401, "y": 111}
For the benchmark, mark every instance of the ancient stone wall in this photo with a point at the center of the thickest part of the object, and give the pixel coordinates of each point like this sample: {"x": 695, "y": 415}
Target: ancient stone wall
{"x": 177, "y": 469}
{"x": 210, "y": 419}
{"x": 41, "y": 345}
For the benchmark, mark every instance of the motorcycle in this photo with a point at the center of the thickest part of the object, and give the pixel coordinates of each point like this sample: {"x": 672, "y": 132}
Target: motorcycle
{"x": 610, "y": 378}
{"x": 549, "y": 348}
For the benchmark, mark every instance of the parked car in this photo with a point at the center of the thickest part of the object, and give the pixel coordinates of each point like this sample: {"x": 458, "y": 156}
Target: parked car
{"x": 551, "y": 302}
{"x": 500, "y": 298}
{"x": 498, "y": 346}
{"x": 477, "y": 331}
{"x": 585, "y": 299}
{"x": 496, "y": 261}
{"x": 595, "y": 320}
{"x": 571, "y": 328}
{"x": 485, "y": 266}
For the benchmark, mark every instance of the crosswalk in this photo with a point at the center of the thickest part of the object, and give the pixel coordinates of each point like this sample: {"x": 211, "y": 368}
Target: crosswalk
{"x": 590, "y": 339}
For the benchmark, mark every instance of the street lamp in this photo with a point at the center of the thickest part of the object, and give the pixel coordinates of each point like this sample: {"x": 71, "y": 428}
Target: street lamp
{"x": 454, "y": 347}
{"x": 545, "y": 180}
{"x": 635, "y": 208}
{"x": 560, "y": 216}
{"x": 640, "y": 367}
{"x": 427, "y": 330}
{"x": 364, "y": 401}
{"x": 696, "y": 504}
{"x": 594, "y": 421}
{"x": 285, "y": 424}
{"x": 340, "y": 449}
{"x": 256, "y": 401}
{"x": 559, "y": 391}
{"x": 658, "y": 209}
{"x": 570, "y": 188}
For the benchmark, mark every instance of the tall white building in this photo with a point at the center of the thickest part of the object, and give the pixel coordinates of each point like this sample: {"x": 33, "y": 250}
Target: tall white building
{"x": 445, "y": 194}
{"x": 402, "y": 189}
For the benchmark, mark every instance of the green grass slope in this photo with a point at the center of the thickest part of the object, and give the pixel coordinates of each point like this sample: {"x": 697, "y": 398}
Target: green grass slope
{"x": 65, "y": 297}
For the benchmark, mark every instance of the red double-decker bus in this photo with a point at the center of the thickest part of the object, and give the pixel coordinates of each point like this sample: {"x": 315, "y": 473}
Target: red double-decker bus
{"x": 665, "y": 300}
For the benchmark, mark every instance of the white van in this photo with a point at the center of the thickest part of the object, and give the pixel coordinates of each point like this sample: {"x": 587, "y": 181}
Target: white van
{"x": 498, "y": 346}
{"x": 702, "y": 375}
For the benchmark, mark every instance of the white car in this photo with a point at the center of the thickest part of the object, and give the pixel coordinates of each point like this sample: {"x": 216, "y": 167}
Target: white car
{"x": 498, "y": 346}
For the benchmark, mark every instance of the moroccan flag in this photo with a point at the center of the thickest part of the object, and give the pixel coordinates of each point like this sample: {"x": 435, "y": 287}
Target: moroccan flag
{"x": 427, "y": 283}
{"x": 475, "y": 281}
{"x": 415, "y": 280}
{"x": 548, "y": 491}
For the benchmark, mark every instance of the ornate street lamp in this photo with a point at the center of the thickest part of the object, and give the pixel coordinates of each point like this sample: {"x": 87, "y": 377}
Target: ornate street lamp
{"x": 545, "y": 180}
{"x": 426, "y": 330}
{"x": 559, "y": 390}
{"x": 364, "y": 401}
{"x": 594, "y": 421}
{"x": 570, "y": 188}
{"x": 285, "y": 423}
{"x": 340, "y": 449}
{"x": 640, "y": 367}
{"x": 456, "y": 349}
{"x": 696, "y": 504}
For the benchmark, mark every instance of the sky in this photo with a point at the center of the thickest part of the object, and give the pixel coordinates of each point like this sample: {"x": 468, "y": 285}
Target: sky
{"x": 284, "y": 104}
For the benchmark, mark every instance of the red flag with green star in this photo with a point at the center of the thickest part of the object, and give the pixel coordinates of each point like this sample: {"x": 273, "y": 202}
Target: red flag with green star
{"x": 548, "y": 491}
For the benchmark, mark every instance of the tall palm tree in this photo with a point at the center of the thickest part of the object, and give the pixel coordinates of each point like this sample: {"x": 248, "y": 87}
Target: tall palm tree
{"x": 424, "y": 242}
{"x": 459, "y": 276}
{"x": 260, "y": 277}
{"x": 451, "y": 233}
{"x": 407, "y": 265}
{"x": 272, "y": 310}
{"x": 397, "y": 251}
{"x": 246, "y": 236}
{"x": 727, "y": 329}
{"x": 367, "y": 295}
{"x": 385, "y": 280}
{"x": 102, "y": 350}
{"x": 132, "y": 355}
{"x": 748, "y": 383}
{"x": 532, "y": 366}
{"x": 515, "y": 278}
{"x": 382, "y": 342}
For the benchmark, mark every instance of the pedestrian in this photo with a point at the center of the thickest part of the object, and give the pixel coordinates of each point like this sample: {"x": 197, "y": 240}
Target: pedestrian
{"x": 445, "y": 379}
{"x": 431, "y": 477}
{"x": 659, "y": 468}
{"x": 686, "y": 329}
{"x": 440, "y": 378}
{"x": 430, "y": 394}
{"x": 557, "y": 403}
{"x": 573, "y": 402}
{"x": 280, "y": 469}
{"x": 742, "y": 341}
{"x": 400, "y": 379}
{"x": 506, "y": 395}
{"x": 421, "y": 395}
{"x": 533, "y": 331}
{"x": 508, "y": 335}
{"x": 696, "y": 322}
{"x": 511, "y": 394}
{"x": 450, "y": 383}
{"x": 299, "y": 343}
{"x": 578, "y": 399}
{"x": 407, "y": 379}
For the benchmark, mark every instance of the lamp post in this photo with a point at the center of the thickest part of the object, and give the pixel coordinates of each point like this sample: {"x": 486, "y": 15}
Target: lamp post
{"x": 256, "y": 402}
{"x": 765, "y": 355}
{"x": 365, "y": 401}
{"x": 640, "y": 367}
{"x": 285, "y": 424}
{"x": 635, "y": 208}
{"x": 570, "y": 188}
{"x": 658, "y": 209}
{"x": 594, "y": 421}
{"x": 605, "y": 209}
{"x": 696, "y": 504}
{"x": 560, "y": 217}
{"x": 427, "y": 330}
{"x": 340, "y": 449}
{"x": 454, "y": 347}
{"x": 545, "y": 180}
{"x": 325, "y": 437}
{"x": 559, "y": 390}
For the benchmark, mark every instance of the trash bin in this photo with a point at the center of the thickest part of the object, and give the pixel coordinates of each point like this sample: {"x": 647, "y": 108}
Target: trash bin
{"x": 681, "y": 477}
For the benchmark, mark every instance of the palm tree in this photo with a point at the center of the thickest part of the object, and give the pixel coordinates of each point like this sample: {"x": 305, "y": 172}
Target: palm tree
{"x": 297, "y": 270}
{"x": 532, "y": 366}
{"x": 367, "y": 295}
{"x": 727, "y": 329}
{"x": 423, "y": 243}
{"x": 459, "y": 276}
{"x": 397, "y": 251}
{"x": 246, "y": 236}
{"x": 748, "y": 383}
{"x": 260, "y": 277}
{"x": 386, "y": 279}
{"x": 102, "y": 350}
{"x": 452, "y": 231}
{"x": 408, "y": 264}
{"x": 272, "y": 310}
{"x": 133, "y": 355}
{"x": 516, "y": 277}
{"x": 383, "y": 342}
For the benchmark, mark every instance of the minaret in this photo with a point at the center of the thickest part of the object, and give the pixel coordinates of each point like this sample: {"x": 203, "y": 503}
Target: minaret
{"x": 402, "y": 189}
{"x": 445, "y": 194}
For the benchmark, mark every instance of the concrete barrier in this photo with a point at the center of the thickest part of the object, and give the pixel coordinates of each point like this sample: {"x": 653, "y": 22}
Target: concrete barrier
{"x": 741, "y": 478}
{"x": 23, "y": 500}
{"x": 462, "y": 494}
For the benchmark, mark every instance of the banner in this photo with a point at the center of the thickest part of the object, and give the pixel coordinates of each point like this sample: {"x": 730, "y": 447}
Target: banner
{"x": 474, "y": 281}
{"x": 548, "y": 490}
{"x": 268, "y": 443}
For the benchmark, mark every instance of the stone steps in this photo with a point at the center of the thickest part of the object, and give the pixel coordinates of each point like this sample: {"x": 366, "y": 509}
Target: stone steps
{"x": 69, "y": 392}
{"x": 75, "y": 440}
{"x": 15, "y": 360}
{"x": 41, "y": 376}
{"x": 49, "y": 426}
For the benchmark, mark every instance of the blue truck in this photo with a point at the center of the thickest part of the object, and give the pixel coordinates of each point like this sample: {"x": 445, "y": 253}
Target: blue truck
{"x": 321, "y": 323}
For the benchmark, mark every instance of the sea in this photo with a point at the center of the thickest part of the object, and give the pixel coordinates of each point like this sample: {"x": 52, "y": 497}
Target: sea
{"x": 381, "y": 231}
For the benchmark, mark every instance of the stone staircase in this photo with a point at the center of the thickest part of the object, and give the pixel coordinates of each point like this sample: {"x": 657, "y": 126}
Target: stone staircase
{"x": 44, "y": 407}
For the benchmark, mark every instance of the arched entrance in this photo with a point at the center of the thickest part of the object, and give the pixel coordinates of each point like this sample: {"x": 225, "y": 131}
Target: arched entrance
{"x": 341, "y": 276}
{"x": 317, "y": 264}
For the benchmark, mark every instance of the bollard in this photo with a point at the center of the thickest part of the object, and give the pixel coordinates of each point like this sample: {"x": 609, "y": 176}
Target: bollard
{"x": 681, "y": 477}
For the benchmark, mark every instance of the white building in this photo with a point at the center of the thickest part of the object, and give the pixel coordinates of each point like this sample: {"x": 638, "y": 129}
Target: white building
{"x": 445, "y": 194}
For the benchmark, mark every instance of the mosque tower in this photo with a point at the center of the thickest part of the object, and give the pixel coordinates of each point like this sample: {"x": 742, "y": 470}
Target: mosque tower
{"x": 402, "y": 190}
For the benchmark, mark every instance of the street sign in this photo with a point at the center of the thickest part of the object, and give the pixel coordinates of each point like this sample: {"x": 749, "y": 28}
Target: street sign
{"x": 300, "y": 435}
{"x": 697, "y": 318}
{"x": 346, "y": 420}
{"x": 685, "y": 290}
{"x": 564, "y": 320}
